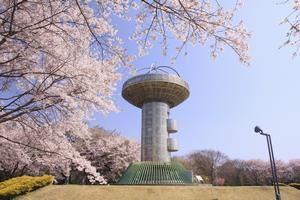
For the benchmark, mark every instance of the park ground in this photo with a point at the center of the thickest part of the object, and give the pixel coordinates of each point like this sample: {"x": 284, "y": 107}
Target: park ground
{"x": 79, "y": 192}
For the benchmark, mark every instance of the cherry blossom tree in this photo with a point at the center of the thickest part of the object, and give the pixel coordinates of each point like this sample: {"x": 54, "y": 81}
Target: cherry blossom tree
{"x": 294, "y": 169}
{"x": 207, "y": 162}
{"x": 239, "y": 172}
{"x": 292, "y": 21}
{"x": 231, "y": 171}
{"x": 256, "y": 172}
{"x": 109, "y": 153}
{"x": 51, "y": 75}
{"x": 191, "y": 22}
{"x": 17, "y": 160}
{"x": 60, "y": 60}
{"x": 14, "y": 162}
{"x": 105, "y": 153}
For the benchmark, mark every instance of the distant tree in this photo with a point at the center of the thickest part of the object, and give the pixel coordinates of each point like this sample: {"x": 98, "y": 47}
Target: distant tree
{"x": 256, "y": 172}
{"x": 207, "y": 162}
{"x": 109, "y": 153}
{"x": 282, "y": 170}
{"x": 231, "y": 170}
{"x": 294, "y": 169}
{"x": 219, "y": 181}
{"x": 219, "y": 168}
{"x": 182, "y": 160}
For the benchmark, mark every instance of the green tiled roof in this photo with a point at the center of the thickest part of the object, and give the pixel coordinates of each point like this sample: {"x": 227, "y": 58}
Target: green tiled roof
{"x": 156, "y": 173}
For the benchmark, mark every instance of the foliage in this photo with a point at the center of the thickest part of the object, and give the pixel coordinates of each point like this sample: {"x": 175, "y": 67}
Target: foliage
{"x": 293, "y": 22}
{"x": 256, "y": 172}
{"x": 109, "y": 153}
{"x": 102, "y": 153}
{"x": 23, "y": 184}
{"x": 191, "y": 21}
{"x": 295, "y": 185}
{"x": 239, "y": 172}
{"x": 219, "y": 182}
{"x": 293, "y": 171}
{"x": 206, "y": 162}
{"x": 18, "y": 160}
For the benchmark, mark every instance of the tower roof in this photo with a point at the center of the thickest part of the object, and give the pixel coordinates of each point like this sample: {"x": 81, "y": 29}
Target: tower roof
{"x": 168, "y": 88}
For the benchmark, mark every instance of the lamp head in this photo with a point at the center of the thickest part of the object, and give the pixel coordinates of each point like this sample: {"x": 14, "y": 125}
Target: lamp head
{"x": 258, "y": 130}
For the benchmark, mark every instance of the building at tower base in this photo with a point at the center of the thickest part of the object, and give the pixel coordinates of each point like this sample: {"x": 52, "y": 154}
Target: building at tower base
{"x": 156, "y": 173}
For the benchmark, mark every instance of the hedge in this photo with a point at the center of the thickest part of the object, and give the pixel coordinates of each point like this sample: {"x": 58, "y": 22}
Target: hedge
{"x": 21, "y": 185}
{"x": 295, "y": 185}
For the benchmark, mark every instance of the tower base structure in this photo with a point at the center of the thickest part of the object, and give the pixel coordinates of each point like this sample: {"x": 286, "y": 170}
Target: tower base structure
{"x": 156, "y": 173}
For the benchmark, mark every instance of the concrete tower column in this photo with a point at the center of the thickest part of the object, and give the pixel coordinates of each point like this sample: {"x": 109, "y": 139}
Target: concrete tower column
{"x": 154, "y": 132}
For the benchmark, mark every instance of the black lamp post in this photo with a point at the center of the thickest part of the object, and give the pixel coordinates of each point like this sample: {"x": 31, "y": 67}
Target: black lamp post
{"x": 272, "y": 161}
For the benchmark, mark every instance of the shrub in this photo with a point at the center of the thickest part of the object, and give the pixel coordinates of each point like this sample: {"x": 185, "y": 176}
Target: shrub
{"x": 219, "y": 182}
{"x": 295, "y": 185}
{"x": 21, "y": 185}
{"x": 282, "y": 184}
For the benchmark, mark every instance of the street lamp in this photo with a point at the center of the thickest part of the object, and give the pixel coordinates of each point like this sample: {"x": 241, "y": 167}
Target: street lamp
{"x": 272, "y": 161}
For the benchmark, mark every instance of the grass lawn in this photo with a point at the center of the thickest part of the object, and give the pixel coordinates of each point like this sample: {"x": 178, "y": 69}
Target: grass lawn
{"x": 79, "y": 192}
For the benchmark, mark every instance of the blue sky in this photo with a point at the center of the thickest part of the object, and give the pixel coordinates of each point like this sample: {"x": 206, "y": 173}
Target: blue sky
{"x": 227, "y": 98}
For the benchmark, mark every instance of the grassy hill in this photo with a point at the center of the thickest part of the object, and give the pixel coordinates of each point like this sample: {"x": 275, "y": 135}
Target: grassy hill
{"x": 78, "y": 192}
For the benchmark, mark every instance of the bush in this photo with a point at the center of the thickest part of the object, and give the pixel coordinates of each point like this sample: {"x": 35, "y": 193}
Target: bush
{"x": 282, "y": 184}
{"x": 21, "y": 185}
{"x": 295, "y": 185}
{"x": 219, "y": 182}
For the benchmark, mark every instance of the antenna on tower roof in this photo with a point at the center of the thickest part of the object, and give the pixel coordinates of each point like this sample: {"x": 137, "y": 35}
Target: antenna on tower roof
{"x": 157, "y": 69}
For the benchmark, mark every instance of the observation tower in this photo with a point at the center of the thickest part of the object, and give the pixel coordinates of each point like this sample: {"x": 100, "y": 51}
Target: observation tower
{"x": 156, "y": 92}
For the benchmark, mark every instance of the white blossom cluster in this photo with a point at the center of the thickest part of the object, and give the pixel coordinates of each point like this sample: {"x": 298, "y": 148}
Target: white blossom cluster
{"x": 110, "y": 153}
{"x": 191, "y": 21}
{"x": 292, "y": 21}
